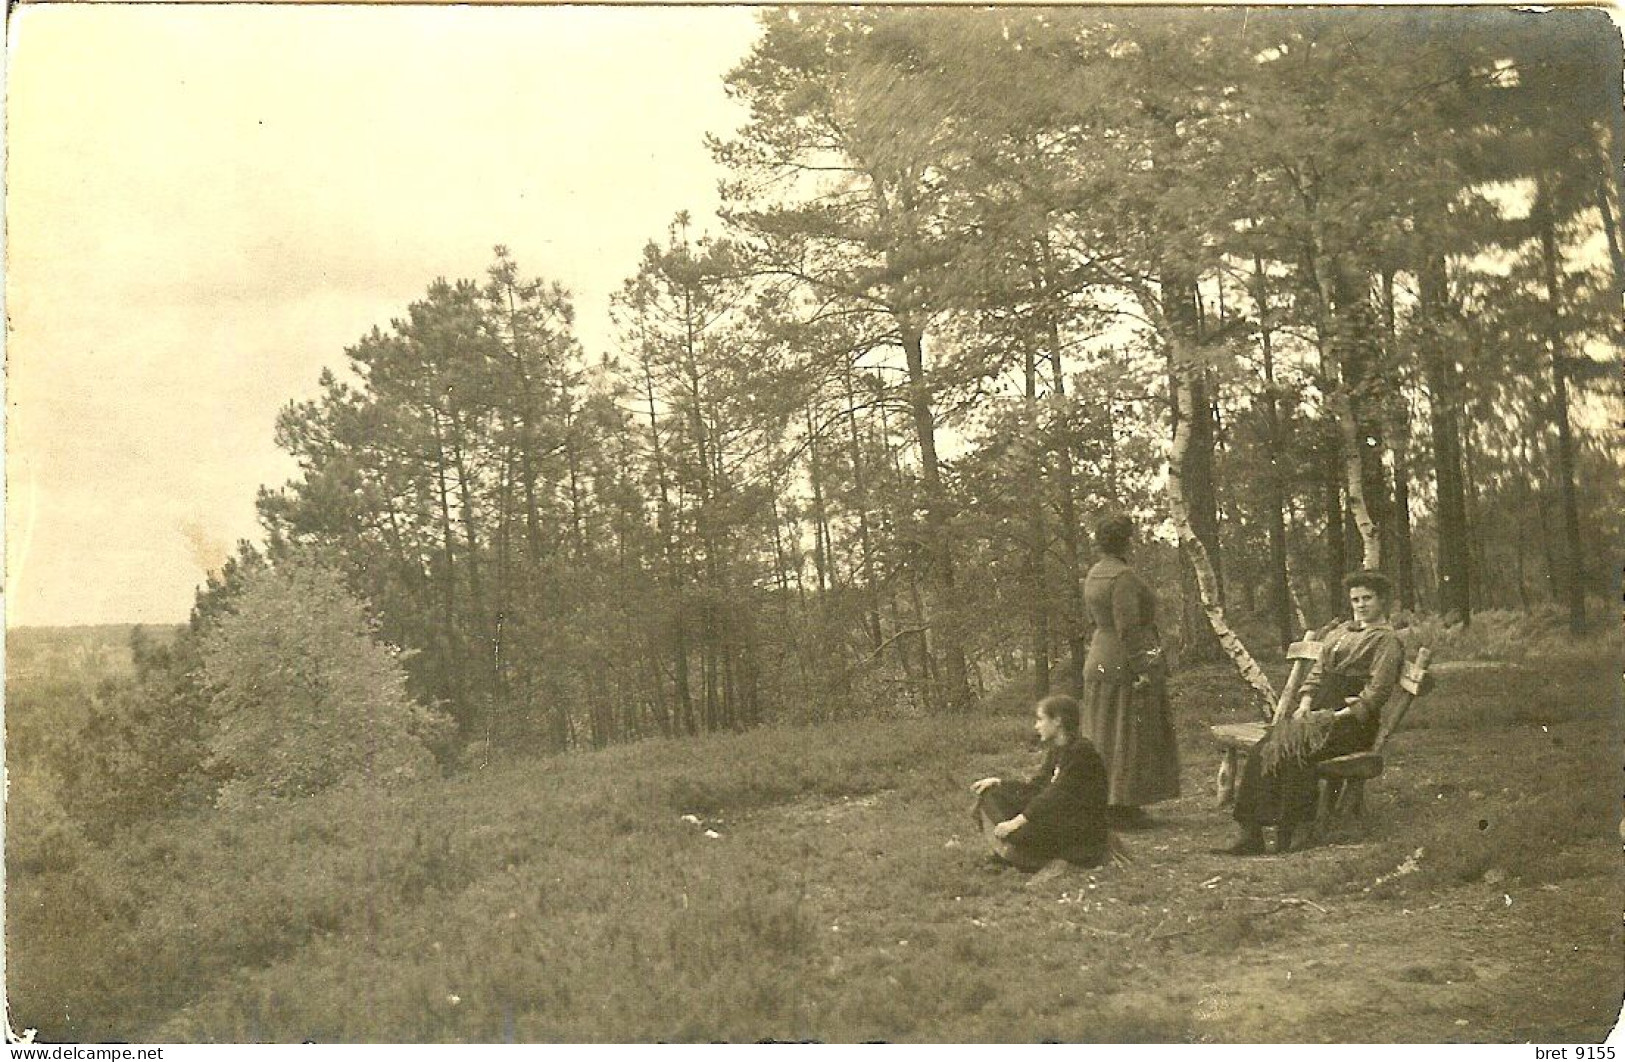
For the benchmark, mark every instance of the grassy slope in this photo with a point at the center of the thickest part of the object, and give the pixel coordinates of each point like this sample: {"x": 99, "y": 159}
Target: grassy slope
{"x": 846, "y": 898}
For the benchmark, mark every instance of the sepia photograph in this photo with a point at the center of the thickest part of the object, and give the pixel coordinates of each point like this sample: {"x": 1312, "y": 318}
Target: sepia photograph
{"x": 843, "y": 524}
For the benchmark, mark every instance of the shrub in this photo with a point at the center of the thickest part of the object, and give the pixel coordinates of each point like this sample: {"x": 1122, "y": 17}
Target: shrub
{"x": 142, "y": 753}
{"x": 39, "y": 834}
{"x": 1501, "y": 634}
{"x": 302, "y": 697}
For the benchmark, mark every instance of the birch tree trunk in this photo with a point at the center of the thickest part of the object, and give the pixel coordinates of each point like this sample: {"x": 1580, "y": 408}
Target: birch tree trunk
{"x": 1331, "y": 343}
{"x": 1207, "y": 583}
{"x": 1335, "y": 546}
{"x": 1184, "y": 367}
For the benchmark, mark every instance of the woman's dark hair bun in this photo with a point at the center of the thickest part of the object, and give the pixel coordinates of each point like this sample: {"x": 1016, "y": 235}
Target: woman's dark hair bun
{"x": 1113, "y": 533}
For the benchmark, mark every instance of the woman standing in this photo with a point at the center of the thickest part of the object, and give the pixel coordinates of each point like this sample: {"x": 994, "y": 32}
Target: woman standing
{"x": 1339, "y": 712}
{"x": 1125, "y": 682}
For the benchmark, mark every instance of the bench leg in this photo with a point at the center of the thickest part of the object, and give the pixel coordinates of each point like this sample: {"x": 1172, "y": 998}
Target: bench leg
{"x": 1225, "y": 787}
{"x": 1330, "y": 790}
{"x": 1354, "y": 797}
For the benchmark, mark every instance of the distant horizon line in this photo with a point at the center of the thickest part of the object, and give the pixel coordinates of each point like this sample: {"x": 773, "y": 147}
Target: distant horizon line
{"x": 10, "y": 627}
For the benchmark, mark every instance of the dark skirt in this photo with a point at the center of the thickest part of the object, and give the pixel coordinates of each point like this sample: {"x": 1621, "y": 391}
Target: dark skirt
{"x": 1005, "y": 801}
{"x": 1134, "y": 731}
{"x": 1278, "y": 786}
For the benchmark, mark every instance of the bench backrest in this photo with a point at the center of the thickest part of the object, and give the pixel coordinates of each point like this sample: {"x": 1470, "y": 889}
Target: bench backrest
{"x": 1414, "y": 681}
{"x": 1303, "y": 655}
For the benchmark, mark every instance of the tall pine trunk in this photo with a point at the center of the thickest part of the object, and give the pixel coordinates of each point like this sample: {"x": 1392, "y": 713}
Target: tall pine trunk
{"x": 1193, "y": 426}
{"x": 955, "y": 693}
{"x": 1274, "y": 489}
{"x": 1572, "y": 557}
{"x": 1444, "y": 420}
{"x": 529, "y": 435}
{"x": 821, "y": 554}
{"x": 455, "y": 689}
{"x": 1337, "y": 335}
{"x": 860, "y": 490}
{"x": 1076, "y": 618}
{"x": 915, "y": 647}
{"x": 1610, "y": 228}
{"x": 1038, "y": 603}
{"x": 675, "y": 577}
{"x": 1404, "y": 559}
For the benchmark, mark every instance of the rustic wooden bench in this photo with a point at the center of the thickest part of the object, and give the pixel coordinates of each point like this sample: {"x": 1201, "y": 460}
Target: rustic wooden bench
{"x": 1235, "y": 740}
{"x": 1342, "y": 778}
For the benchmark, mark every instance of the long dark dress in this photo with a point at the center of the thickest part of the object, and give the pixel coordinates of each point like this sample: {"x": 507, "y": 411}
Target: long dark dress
{"x": 1278, "y": 785}
{"x": 1130, "y": 726}
{"x": 1065, "y": 808}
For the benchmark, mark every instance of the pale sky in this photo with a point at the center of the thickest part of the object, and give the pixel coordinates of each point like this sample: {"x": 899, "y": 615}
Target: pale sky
{"x": 206, "y": 205}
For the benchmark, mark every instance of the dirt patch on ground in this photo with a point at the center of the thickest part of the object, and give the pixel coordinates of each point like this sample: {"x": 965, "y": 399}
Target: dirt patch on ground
{"x": 826, "y": 812}
{"x": 1466, "y": 968}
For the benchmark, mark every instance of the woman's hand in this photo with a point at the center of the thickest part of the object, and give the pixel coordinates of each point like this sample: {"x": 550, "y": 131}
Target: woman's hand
{"x": 1008, "y": 826}
{"x": 983, "y": 785}
{"x": 1303, "y": 709}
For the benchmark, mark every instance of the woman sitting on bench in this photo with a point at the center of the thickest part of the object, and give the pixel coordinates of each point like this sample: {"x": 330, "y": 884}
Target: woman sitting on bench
{"x": 1061, "y": 813}
{"x": 1338, "y": 713}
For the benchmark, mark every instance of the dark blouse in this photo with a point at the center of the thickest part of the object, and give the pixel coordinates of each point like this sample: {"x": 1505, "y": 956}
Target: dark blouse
{"x": 1373, "y": 653}
{"x": 1124, "y": 611}
{"x": 1068, "y": 814}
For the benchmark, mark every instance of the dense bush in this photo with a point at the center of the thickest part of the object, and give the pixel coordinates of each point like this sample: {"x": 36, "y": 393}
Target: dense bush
{"x": 141, "y": 751}
{"x": 141, "y": 748}
{"x": 301, "y": 696}
{"x": 40, "y": 836}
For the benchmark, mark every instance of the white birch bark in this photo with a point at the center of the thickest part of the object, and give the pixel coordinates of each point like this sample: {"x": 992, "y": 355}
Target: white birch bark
{"x": 1354, "y": 483}
{"x": 1343, "y": 409}
{"x": 1207, "y": 582}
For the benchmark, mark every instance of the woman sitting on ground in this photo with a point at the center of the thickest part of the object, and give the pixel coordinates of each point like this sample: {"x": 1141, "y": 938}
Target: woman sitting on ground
{"x": 1061, "y": 813}
{"x": 1339, "y": 712}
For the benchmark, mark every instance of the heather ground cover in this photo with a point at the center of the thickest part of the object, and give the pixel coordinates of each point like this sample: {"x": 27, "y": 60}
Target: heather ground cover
{"x": 825, "y": 883}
